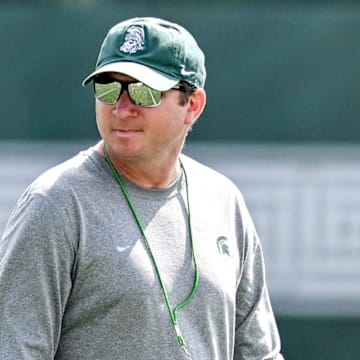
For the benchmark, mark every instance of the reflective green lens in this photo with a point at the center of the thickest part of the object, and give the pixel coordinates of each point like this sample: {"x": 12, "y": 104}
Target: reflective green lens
{"x": 142, "y": 95}
{"x": 108, "y": 93}
{"x": 139, "y": 94}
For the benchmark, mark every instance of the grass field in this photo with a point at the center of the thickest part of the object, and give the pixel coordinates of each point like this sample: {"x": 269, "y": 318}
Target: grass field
{"x": 320, "y": 338}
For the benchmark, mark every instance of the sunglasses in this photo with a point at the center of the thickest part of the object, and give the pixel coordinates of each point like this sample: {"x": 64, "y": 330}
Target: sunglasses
{"x": 108, "y": 91}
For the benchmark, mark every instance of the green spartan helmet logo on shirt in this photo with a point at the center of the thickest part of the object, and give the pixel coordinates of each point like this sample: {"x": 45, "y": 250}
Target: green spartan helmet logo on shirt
{"x": 222, "y": 245}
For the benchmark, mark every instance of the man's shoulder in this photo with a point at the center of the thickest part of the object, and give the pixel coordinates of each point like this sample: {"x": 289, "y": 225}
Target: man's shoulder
{"x": 74, "y": 172}
{"x": 60, "y": 191}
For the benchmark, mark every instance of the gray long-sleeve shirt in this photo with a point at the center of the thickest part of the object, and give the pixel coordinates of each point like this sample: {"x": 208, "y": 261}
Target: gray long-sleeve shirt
{"x": 77, "y": 282}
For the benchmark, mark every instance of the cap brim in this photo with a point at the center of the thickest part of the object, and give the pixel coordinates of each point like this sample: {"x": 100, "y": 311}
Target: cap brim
{"x": 142, "y": 73}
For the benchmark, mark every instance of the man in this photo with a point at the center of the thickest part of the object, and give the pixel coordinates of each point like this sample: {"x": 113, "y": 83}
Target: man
{"x": 131, "y": 250}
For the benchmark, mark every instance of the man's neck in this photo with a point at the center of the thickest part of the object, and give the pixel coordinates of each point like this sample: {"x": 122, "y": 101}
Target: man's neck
{"x": 149, "y": 174}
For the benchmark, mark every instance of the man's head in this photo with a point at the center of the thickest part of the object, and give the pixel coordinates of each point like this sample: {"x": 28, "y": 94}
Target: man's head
{"x": 156, "y": 52}
{"x": 149, "y": 90}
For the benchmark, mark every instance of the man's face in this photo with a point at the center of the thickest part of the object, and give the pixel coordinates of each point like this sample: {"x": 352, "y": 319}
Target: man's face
{"x": 134, "y": 133}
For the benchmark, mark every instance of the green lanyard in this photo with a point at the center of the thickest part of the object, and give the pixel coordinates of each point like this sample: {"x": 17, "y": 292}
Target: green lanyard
{"x": 172, "y": 312}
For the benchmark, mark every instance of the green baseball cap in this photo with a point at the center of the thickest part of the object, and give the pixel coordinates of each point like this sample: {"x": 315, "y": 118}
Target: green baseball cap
{"x": 154, "y": 51}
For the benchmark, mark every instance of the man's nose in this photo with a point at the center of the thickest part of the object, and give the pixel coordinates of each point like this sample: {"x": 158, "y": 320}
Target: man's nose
{"x": 124, "y": 104}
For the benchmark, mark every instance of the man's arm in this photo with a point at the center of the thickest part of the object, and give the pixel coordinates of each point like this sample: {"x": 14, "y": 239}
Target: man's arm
{"x": 257, "y": 335}
{"x": 35, "y": 279}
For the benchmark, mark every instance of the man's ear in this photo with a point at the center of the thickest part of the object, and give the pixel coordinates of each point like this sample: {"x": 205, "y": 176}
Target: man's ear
{"x": 195, "y": 106}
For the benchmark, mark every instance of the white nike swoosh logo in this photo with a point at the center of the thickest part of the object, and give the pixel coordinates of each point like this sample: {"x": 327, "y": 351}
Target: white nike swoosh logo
{"x": 186, "y": 73}
{"x": 122, "y": 248}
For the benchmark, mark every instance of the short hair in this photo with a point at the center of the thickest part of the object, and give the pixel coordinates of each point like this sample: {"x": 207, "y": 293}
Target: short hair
{"x": 186, "y": 89}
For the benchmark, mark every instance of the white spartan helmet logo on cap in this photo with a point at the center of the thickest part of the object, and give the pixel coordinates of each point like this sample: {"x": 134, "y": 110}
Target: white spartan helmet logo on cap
{"x": 134, "y": 40}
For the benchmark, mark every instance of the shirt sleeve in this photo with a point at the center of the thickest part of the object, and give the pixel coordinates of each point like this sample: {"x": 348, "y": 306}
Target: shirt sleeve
{"x": 256, "y": 334}
{"x": 36, "y": 259}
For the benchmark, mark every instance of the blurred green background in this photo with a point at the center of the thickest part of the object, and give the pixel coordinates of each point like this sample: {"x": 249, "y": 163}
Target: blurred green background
{"x": 278, "y": 72}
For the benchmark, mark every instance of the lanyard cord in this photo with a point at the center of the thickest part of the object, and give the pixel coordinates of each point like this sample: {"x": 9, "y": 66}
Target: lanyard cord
{"x": 172, "y": 312}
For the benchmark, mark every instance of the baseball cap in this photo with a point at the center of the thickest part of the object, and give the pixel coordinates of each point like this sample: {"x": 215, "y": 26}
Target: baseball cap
{"x": 156, "y": 52}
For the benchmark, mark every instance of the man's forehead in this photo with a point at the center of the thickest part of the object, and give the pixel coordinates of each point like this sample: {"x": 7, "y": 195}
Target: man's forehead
{"x": 120, "y": 76}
